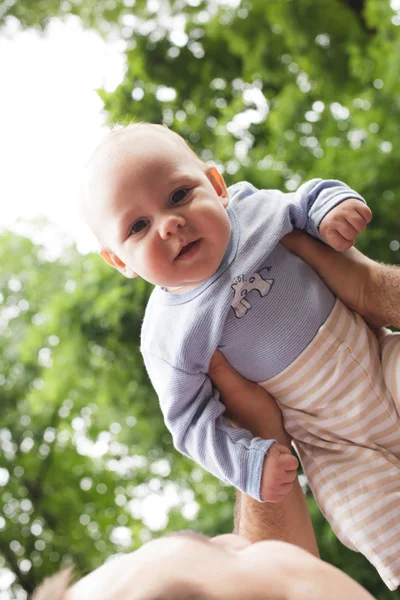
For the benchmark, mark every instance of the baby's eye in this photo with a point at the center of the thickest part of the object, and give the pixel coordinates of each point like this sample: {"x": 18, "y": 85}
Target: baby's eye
{"x": 138, "y": 226}
{"x": 179, "y": 195}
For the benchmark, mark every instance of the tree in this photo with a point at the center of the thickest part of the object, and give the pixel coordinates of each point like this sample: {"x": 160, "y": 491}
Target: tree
{"x": 84, "y": 447}
{"x": 272, "y": 92}
{"x": 277, "y": 93}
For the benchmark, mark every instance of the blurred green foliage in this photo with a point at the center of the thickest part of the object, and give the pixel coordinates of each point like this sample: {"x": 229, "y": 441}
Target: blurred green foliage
{"x": 273, "y": 92}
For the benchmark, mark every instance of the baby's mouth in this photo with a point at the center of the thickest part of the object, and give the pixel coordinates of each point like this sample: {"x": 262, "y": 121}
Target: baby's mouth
{"x": 186, "y": 249}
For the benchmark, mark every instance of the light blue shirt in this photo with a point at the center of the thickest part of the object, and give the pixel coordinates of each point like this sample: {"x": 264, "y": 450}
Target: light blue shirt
{"x": 261, "y": 308}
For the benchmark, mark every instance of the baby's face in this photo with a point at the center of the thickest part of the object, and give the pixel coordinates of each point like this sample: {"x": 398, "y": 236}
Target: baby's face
{"x": 161, "y": 211}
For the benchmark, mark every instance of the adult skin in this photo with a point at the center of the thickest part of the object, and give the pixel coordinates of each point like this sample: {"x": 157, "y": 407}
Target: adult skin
{"x": 247, "y": 404}
{"x": 189, "y": 566}
{"x": 371, "y": 289}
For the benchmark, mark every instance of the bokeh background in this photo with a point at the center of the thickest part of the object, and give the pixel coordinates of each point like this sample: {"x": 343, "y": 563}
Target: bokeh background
{"x": 272, "y": 91}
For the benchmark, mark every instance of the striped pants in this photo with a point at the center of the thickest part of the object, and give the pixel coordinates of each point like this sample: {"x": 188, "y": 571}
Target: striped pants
{"x": 341, "y": 404}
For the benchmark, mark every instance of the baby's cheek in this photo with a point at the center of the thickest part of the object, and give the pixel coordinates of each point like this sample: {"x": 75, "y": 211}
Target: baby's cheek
{"x": 136, "y": 259}
{"x": 154, "y": 261}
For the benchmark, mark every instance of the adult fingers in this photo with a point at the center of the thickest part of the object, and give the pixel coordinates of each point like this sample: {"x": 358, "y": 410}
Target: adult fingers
{"x": 226, "y": 379}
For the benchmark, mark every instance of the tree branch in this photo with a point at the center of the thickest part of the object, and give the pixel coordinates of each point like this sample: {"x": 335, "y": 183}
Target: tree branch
{"x": 23, "y": 579}
{"x": 357, "y": 7}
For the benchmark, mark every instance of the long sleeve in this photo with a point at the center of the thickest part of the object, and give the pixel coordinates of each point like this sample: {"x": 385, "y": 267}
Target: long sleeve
{"x": 262, "y": 308}
{"x": 194, "y": 416}
{"x": 313, "y": 200}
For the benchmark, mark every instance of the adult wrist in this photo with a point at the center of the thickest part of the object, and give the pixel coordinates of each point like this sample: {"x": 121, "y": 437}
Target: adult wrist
{"x": 377, "y": 295}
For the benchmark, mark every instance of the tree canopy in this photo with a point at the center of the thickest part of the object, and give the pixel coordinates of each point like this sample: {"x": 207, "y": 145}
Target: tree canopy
{"x": 271, "y": 92}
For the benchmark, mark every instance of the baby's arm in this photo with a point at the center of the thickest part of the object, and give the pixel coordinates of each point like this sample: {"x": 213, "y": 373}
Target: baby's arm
{"x": 336, "y": 212}
{"x": 195, "y": 417}
{"x": 280, "y": 466}
{"x": 341, "y": 226}
{"x": 367, "y": 287}
{"x": 327, "y": 209}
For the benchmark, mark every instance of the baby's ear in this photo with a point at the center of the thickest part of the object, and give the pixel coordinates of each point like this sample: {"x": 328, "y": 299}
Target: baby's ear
{"x": 115, "y": 262}
{"x": 218, "y": 184}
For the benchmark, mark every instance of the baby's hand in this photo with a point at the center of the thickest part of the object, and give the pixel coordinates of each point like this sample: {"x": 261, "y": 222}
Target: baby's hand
{"x": 279, "y": 473}
{"x": 343, "y": 223}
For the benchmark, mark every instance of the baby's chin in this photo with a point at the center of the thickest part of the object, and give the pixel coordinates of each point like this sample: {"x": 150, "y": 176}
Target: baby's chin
{"x": 185, "y": 287}
{"x": 200, "y": 276}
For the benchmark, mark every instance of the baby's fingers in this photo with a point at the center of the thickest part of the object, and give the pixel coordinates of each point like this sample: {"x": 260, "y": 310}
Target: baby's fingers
{"x": 289, "y": 462}
{"x": 292, "y": 464}
{"x": 280, "y": 494}
{"x": 287, "y": 477}
{"x": 347, "y": 231}
{"x": 352, "y": 205}
{"x": 365, "y": 212}
{"x": 355, "y": 220}
{"x": 285, "y": 488}
{"x": 338, "y": 242}
{"x": 359, "y": 220}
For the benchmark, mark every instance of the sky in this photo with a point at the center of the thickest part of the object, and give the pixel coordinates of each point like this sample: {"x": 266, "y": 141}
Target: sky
{"x": 51, "y": 119}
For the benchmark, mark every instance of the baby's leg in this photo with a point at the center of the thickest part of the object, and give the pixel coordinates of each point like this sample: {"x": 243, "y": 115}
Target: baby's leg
{"x": 390, "y": 353}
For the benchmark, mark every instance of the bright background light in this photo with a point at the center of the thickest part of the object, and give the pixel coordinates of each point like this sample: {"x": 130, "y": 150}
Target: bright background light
{"x": 50, "y": 121}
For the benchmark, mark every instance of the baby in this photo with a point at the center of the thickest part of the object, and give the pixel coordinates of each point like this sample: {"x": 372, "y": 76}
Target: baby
{"x": 223, "y": 280}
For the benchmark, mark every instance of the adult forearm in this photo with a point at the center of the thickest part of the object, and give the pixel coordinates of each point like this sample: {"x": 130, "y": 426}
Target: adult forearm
{"x": 287, "y": 521}
{"x": 367, "y": 287}
{"x": 384, "y": 293}
{"x": 250, "y": 406}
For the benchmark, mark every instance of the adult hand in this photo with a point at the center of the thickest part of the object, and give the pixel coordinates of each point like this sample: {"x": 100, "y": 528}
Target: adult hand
{"x": 251, "y": 407}
{"x": 248, "y": 405}
{"x": 351, "y": 276}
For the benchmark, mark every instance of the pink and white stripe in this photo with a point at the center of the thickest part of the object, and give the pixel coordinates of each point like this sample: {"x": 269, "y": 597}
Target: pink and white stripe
{"x": 341, "y": 403}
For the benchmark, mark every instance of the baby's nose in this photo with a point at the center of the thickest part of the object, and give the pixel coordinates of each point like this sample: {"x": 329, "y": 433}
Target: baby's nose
{"x": 170, "y": 225}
